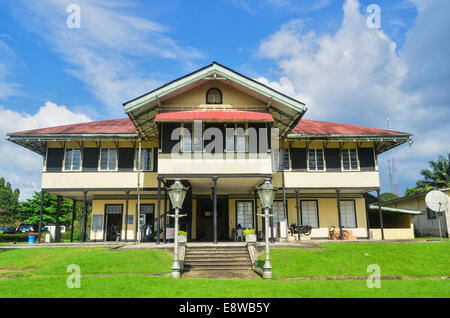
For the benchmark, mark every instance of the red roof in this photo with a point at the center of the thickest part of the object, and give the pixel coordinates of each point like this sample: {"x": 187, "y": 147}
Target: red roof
{"x": 125, "y": 126}
{"x": 214, "y": 116}
{"x": 315, "y": 127}
{"x": 114, "y": 126}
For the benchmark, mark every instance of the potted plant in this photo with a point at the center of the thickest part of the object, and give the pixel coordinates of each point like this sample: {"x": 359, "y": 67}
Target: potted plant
{"x": 182, "y": 237}
{"x": 250, "y": 236}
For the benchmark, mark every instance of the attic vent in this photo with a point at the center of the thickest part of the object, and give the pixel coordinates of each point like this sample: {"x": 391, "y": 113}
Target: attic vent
{"x": 213, "y": 96}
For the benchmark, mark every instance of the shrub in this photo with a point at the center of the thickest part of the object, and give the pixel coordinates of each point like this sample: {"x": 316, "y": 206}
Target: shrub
{"x": 248, "y": 231}
{"x": 182, "y": 233}
{"x": 66, "y": 236}
{"x": 22, "y": 237}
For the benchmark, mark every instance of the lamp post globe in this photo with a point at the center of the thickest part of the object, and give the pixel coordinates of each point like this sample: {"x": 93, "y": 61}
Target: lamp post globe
{"x": 266, "y": 194}
{"x": 177, "y": 193}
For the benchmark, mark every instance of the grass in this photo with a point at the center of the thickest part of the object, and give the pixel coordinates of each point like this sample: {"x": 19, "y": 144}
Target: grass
{"x": 42, "y": 273}
{"x": 157, "y": 287}
{"x": 352, "y": 259}
{"x": 54, "y": 261}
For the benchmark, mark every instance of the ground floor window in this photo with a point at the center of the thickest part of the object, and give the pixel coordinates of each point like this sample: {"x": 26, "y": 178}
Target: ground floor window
{"x": 348, "y": 214}
{"x": 310, "y": 215}
{"x": 278, "y": 212}
{"x": 244, "y": 213}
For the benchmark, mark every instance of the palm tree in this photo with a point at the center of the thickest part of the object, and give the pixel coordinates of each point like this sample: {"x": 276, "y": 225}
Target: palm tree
{"x": 437, "y": 178}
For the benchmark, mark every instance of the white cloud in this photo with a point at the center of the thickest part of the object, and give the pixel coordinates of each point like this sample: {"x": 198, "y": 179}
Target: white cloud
{"x": 296, "y": 6}
{"x": 356, "y": 76}
{"x": 105, "y": 53}
{"x": 20, "y": 166}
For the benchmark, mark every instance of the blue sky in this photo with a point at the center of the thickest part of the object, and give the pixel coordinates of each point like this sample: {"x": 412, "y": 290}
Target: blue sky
{"x": 321, "y": 52}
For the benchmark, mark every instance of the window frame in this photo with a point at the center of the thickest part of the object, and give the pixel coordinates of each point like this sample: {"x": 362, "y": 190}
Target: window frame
{"x": 315, "y": 160}
{"x": 220, "y": 94}
{"x": 348, "y": 150}
{"x": 151, "y": 159}
{"x": 252, "y": 213}
{"x": 116, "y": 165}
{"x": 317, "y": 212}
{"x": 65, "y": 157}
{"x": 354, "y": 213}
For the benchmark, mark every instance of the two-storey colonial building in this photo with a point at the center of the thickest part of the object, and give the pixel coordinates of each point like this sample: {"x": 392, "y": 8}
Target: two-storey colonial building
{"x": 222, "y": 134}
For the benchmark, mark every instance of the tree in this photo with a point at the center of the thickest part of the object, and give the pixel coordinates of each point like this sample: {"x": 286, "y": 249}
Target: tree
{"x": 388, "y": 196}
{"x": 437, "y": 178}
{"x": 9, "y": 202}
{"x": 31, "y": 209}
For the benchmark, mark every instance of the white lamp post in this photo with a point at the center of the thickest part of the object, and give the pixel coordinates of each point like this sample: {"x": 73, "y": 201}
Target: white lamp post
{"x": 177, "y": 193}
{"x": 266, "y": 194}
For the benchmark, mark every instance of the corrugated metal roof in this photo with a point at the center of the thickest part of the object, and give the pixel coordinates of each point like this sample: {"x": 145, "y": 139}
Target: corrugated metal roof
{"x": 214, "y": 116}
{"x": 114, "y": 126}
{"x": 315, "y": 127}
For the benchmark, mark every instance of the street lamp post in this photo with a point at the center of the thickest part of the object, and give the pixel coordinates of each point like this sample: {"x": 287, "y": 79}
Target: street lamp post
{"x": 266, "y": 194}
{"x": 177, "y": 193}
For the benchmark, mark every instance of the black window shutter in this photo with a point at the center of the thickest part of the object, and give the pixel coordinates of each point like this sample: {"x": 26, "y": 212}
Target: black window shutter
{"x": 55, "y": 158}
{"x": 90, "y": 159}
{"x": 126, "y": 159}
{"x": 366, "y": 158}
{"x": 333, "y": 159}
{"x": 167, "y": 142}
{"x": 286, "y": 162}
{"x": 155, "y": 159}
{"x": 298, "y": 158}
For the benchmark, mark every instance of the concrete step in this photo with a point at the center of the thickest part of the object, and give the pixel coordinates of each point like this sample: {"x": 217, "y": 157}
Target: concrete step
{"x": 214, "y": 259}
{"x": 216, "y": 268}
{"x": 216, "y": 252}
{"x": 207, "y": 262}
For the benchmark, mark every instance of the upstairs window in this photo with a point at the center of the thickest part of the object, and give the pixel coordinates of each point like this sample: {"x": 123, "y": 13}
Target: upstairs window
{"x": 146, "y": 159}
{"x": 315, "y": 159}
{"x": 72, "y": 160}
{"x": 213, "y": 96}
{"x": 108, "y": 159}
{"x": 349, "y": 159}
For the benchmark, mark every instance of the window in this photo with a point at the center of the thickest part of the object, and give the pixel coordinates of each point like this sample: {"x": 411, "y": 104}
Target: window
{"x": 214, "y": 96}
{"x": 348, "y": 214}
{"x": 278, "y": 212}
{"x": 72, "y": 160}
{"x": 187, "y": 138}
{"x": 236, "y": 138}
{"x": 283, "y": 158}
{"x": 310, "y": 215}
{"x": 349, "y": 159}
{"x": 431, "y": 215}
{"x": 113, "y": 208}
{"x": 146, "y": 159}
{"x": 108, "y": 158}
{"x": 244, "y": 214}
{"x": 315, "y": 159}
{"x": 241, "y": 139}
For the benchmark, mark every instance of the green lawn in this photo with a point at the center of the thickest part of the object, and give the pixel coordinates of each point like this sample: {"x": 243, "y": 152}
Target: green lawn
{"x": 352, "y": 259}
{"x": 42, "y": 273}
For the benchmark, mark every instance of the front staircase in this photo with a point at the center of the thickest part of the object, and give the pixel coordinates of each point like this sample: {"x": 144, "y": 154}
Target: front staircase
{"x": 219, "y": 261}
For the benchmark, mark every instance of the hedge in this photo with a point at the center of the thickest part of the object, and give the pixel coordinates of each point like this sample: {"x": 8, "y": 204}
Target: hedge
{"x": 22, "y": 237}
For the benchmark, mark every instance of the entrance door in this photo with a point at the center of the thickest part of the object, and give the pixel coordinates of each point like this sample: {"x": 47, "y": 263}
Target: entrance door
{"x": 113, "y": 221}
{"x": 146, "y": 222}
{"x": 205, "y": 219}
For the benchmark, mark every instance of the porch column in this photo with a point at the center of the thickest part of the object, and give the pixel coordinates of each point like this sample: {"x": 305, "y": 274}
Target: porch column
{"x": 381, "y": 214}
{"x": 73, "y": 219}
{"x": 215, "y": 208}
{"x": 165, "y": 214}
{"x": 159, "y": 212}
{"x": 83, "y": 227}
{"x": 127, "y": 196}
{"x": 40, "y": 216}
{"x": 368, "y": 222}
{"x": 57, "y": 226}
{"x": 298, "y": 212}
{"x": 255, "y": 214}
{"x": 338, "y": 191}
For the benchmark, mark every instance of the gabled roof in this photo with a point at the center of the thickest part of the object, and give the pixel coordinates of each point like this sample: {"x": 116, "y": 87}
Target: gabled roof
{"x": 285, "y": 110}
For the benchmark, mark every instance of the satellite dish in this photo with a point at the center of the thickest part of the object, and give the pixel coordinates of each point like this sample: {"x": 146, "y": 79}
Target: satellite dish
{"x": 436, "y": 201}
